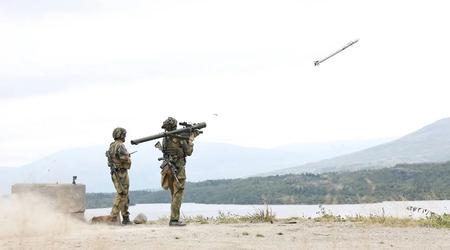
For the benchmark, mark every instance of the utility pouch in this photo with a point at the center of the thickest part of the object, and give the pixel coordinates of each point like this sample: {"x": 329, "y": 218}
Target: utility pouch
{"x": 165, "y": 175}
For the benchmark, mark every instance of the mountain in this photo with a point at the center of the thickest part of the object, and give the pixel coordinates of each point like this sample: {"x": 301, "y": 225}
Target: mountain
{"x": 209, "y": 161}
{"x": 423, "y": 181}
{"x": 428, "y": 144}
{"x": 331, "y": 149}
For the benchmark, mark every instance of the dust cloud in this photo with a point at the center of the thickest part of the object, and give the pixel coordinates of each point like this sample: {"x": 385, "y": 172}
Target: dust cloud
{"x": 28, "y": 215}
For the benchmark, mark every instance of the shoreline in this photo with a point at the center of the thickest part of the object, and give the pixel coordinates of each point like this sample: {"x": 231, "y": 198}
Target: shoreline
{"x": 397, "y": 209}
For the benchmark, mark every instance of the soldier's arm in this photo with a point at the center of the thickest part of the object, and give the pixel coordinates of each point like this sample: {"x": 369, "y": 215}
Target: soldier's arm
{"x": 124, "y": 156}
{"x": 188, "y": 147}
{"x": 192, "y": 137}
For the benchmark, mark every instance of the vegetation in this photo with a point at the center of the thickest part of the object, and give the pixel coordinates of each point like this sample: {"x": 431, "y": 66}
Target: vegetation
{"x": 267, "y": 216}
{"x": 429, "y": 181}
{"x": 432, "y": 219}
{"x": 259, "y": 216}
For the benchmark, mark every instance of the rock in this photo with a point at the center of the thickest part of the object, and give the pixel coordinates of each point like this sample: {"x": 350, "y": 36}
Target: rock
{"x": 107, "y": 219}
{"x": 140, "y": 219}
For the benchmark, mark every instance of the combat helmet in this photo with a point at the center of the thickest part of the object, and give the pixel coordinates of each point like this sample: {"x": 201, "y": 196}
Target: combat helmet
{"x": 119, "y": 133}
{"x": 169, "y": 124}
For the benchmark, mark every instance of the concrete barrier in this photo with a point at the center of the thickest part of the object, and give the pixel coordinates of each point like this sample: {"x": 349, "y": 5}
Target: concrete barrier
{"x": 68, "y": 198}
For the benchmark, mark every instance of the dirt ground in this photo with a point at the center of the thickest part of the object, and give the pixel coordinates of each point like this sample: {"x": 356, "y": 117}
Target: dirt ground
{"x": 30, "y": 223}
{"x": 302, "y": 235}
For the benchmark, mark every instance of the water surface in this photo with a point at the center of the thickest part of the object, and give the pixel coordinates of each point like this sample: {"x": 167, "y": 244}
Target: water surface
{"x": 388, "y": 208}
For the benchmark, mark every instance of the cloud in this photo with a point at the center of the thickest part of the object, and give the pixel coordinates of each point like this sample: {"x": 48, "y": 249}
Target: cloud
{"x": 28, "y": 86}
{"x": 249, "y": 61}
{"x": 45, "y": 80}
{"x": 33, "y": 9}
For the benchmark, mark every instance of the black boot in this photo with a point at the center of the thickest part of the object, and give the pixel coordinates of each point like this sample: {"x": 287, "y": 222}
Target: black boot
{"x": 126, "y": 220}
{"x": 176, "y": 223}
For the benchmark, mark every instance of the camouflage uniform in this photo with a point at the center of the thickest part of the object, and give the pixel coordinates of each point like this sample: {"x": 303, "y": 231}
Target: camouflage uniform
{"x": 119, "y": 161}
{"x": 175, "y": 149}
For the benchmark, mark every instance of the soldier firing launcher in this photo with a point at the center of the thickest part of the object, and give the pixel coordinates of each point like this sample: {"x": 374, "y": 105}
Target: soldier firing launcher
{"x": 182, "y": 132}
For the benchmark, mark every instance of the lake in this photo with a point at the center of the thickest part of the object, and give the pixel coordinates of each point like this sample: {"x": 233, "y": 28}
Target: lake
{"x": 388, "y": 208}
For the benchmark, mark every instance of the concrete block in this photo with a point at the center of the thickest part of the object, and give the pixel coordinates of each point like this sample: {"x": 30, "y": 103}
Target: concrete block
{"x": 68, "y": 198}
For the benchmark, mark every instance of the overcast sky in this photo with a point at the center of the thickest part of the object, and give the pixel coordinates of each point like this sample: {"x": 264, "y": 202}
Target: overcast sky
{"x": 71, "y": 71}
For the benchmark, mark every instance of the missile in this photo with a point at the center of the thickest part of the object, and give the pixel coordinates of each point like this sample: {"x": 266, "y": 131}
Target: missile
{"x": 318, "y": 62}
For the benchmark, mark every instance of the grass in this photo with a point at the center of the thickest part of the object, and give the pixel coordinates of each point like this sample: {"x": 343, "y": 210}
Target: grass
{"x": 431, "y": 220}
{"x": 266, "y": 215}
{"x": 436, "y": 221}
{"x": 259, "y": 216}
{"x": 369, "y": 220}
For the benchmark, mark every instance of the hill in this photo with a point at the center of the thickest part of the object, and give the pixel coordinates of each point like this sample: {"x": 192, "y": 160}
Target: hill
{"x": 332, "y": 149}
{"x": 402, "y": 182}
{"x": 428, "y": 144}
{"x": 209, "y": 161}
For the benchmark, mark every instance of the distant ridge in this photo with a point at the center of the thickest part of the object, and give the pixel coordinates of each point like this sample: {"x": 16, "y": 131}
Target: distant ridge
{"x": 428, "y": 144}
{"x": 209, "y": 161}
{"x": 423, "y": 181}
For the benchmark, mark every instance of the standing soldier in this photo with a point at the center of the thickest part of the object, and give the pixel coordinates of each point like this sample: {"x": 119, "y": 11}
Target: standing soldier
{"x": 119, "y": 161}
{"x": 173, "y": 175}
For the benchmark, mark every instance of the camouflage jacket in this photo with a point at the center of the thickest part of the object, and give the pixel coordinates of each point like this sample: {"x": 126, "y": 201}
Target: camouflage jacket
{"x": 118, "y": 155}
{"x": 177, "y": 148}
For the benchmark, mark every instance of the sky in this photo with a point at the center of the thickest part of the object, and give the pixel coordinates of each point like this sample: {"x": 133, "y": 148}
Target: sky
{"x": 72, "y": 71}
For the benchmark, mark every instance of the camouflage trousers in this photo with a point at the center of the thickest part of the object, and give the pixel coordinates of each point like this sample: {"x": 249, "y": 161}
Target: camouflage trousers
{"x": 121, "y": 201}
{"x": 176, "y": 191}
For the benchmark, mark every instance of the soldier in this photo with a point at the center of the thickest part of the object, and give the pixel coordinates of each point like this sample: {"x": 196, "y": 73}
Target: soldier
{"x": 175, "y": 149}
{"x": 119, "y": 161}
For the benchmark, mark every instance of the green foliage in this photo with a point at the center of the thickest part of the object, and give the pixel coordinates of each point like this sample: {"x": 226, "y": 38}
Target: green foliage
{"x": 325, "y": 216}
{"x": 199, "y": 219}
{"x": 259, "y": 216}
{"x": 430, "y": 181}
{"x": 437, "y": 221}
{"x": 433, "y": 220}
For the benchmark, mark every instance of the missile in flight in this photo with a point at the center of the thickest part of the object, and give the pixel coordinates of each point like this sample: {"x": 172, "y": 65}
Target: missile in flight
{"x": 318, "y": 62}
